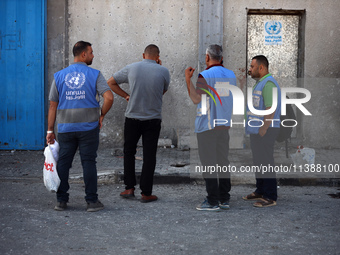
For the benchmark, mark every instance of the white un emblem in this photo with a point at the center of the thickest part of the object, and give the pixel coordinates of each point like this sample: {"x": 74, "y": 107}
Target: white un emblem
{"x": 75, "y": 80}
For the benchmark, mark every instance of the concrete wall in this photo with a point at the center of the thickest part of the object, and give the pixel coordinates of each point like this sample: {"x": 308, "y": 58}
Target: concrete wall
{"x": 119, "y": 31}
{"x": 57, "y": 37}
{"x": 321, "y": 64}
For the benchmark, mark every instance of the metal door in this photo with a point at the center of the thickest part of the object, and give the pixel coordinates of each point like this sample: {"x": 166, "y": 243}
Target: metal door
{"x": 22, "y": 72}
{"x": 277, "y": 38}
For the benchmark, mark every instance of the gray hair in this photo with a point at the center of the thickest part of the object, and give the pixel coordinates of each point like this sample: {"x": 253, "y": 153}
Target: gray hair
{"x": 215, "y": 52}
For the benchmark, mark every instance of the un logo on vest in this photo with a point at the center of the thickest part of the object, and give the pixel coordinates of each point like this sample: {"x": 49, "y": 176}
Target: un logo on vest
{"x": 75, "y": 80}
{"x": 273, "y": 27}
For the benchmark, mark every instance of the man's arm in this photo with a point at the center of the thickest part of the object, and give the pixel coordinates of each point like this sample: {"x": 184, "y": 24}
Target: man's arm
{"x": 108, "y": 101}
{"x": 194, "y": 96}
{"x": 267, "y": 119}
{"x": 117, "y": 89}
{"x": 267, "y": 94}
{"x": 52, "y": 113}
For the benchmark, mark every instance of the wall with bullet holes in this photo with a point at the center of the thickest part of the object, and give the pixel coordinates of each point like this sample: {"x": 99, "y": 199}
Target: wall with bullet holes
{"x": 120, "y": 30}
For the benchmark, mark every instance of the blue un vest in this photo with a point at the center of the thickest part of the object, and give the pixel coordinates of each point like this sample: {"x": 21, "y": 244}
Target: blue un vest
{"x": 217, "y": 77}
{"x": 258, "y": 103}
{"x": 78, "y": 108}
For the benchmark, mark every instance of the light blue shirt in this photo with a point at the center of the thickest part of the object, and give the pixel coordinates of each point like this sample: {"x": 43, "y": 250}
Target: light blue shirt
{"x": 219, "y": 108}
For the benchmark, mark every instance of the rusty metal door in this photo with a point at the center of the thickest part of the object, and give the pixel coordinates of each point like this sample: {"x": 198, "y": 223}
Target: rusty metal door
{"x": 22, "y": 69}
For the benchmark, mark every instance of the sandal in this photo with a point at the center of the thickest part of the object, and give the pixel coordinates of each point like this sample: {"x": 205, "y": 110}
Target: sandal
{"x": 253, "y": 196}
{"x": 265, "y": 202}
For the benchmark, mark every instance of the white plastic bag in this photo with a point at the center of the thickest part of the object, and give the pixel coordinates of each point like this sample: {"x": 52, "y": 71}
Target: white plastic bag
{"x": 51, "y": 178}
{"x": 303, "y": 156}
{"x": 55, "y": 150}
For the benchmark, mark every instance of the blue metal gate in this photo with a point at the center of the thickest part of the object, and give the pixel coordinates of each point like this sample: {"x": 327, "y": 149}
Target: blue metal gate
{"x": 22, "y": 74}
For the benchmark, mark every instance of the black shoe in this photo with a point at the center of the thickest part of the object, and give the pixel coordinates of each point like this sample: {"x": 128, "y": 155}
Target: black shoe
{"x": 61, "y": 206}
{"x": 93, "y": 207}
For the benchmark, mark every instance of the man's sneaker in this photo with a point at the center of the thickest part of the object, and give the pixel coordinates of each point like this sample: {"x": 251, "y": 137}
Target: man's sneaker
{"x": 225, "y": 205}
{"x": 128, "y": 193}
{"x": 93, "y": 207}
{"x": 205, "y": 206}
{"x": 147, "y": 199}
{"x": 61, "y": 206}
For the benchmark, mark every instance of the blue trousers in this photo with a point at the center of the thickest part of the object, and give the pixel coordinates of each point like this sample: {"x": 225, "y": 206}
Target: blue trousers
{"x": 87, "y": 142}
{"x": 263, "y": 154}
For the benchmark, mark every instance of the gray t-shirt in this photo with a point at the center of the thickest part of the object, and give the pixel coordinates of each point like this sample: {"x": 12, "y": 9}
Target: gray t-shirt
{"x": 101, "y": 86}
{"x": 148, "y": 81}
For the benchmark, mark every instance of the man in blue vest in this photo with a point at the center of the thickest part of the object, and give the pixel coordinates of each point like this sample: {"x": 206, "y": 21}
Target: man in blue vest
{"x": 263, "y": 130}
{"x": 214, "y": 102}
{"x": 74, "y": 101}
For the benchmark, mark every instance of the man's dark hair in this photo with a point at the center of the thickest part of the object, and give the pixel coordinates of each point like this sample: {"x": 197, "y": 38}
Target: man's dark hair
{"x": 152, "y": 50}
{"x": 262, "y": 60}
{"x": 215, "y": 52}
{"x": 80, "y": 47}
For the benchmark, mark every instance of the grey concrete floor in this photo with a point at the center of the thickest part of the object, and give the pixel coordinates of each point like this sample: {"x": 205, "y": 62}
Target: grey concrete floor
{"x": 305, "y": 221}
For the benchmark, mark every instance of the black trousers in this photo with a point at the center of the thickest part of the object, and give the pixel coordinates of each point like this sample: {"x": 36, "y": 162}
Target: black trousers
{"x": 213, "y": 149}
{"x": 133, "y": 130}
{"x": 263, "y": 154}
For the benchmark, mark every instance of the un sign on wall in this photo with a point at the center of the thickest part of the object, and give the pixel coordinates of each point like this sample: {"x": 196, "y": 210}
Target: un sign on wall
{"x": 273, "y": 32}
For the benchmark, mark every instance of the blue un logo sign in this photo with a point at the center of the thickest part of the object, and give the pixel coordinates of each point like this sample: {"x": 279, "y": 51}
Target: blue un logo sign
{"x": 273, "y": 32}
{"x": 75, "y": 80}
{"x": 273, "y": 27}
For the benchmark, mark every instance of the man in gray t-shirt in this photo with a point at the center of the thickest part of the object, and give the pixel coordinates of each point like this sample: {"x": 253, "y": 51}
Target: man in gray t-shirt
{"x": 148, "y": 81}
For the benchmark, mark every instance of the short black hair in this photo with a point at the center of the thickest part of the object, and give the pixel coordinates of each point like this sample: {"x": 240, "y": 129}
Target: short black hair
{"x": 262, "y": 60}
{"x": 80, "y": 47}
{"x": 152, "y": 49}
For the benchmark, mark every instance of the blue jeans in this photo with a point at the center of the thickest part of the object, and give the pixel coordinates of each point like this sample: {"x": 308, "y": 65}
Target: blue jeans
{"x": 263, "y": 154}
{"x": 133, "y": 130}
{"x": 87, "y": 142}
